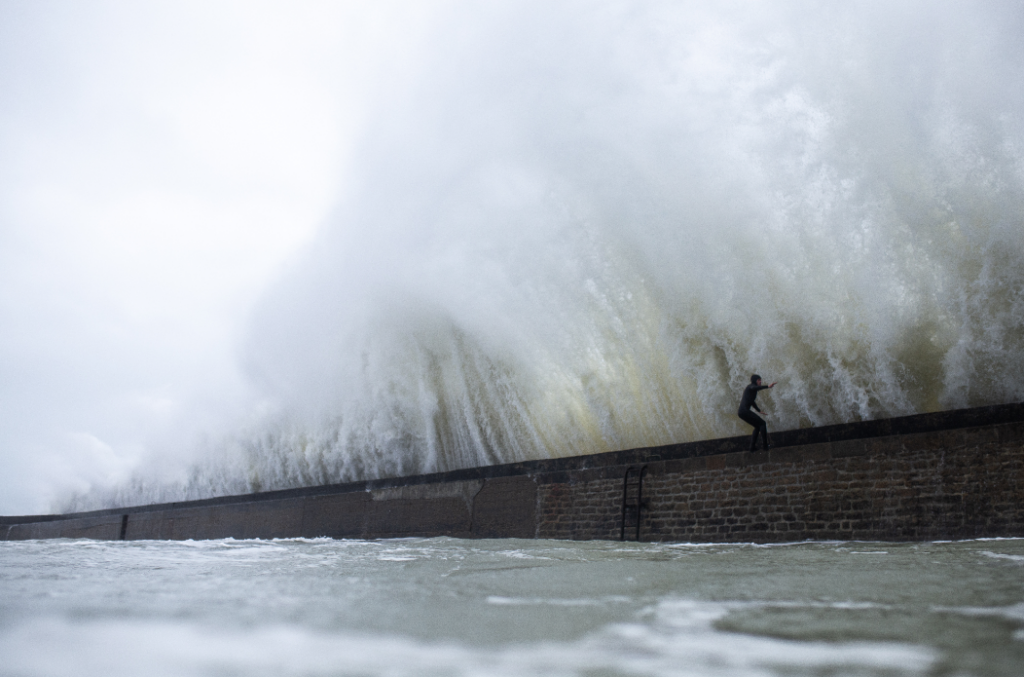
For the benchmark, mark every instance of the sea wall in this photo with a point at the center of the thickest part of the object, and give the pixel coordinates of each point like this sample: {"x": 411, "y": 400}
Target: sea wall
{"x": 947, "y": 475}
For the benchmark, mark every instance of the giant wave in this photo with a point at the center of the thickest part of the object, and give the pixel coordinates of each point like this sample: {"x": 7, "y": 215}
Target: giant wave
{"x": 578, "y": 227}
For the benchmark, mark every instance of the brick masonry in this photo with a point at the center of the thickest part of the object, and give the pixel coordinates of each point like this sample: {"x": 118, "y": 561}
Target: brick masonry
{"x": 966, "y": 483}
{"x": 948, "y": 475}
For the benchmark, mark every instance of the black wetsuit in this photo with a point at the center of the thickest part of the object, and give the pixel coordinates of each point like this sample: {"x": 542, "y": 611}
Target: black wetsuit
{"x": 748, "y": 401}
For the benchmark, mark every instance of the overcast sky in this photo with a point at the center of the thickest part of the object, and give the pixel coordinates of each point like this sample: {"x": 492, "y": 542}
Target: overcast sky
{"x": 159, "y": 164}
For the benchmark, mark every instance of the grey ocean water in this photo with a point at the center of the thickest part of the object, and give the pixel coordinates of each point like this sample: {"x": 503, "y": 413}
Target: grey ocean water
{"x": 510, "y": 607}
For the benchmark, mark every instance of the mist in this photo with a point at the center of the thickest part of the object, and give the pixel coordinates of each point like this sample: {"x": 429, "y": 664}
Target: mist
{"x": 566, "y": 228}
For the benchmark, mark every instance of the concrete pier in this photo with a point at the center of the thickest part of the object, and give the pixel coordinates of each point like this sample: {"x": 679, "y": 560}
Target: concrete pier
{"x": 946, "y": 475}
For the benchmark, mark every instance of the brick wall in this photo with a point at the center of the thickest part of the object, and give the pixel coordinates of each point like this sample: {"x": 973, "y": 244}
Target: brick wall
{"x": 964, "y": 483}
{"x": 935, "y": 476}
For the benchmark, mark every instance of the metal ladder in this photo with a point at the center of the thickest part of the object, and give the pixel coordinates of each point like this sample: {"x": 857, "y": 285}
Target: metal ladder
{"x": 633, "y": 501}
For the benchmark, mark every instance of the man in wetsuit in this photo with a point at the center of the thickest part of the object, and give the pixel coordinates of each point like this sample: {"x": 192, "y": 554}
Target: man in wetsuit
{"x": 748, "y": 401}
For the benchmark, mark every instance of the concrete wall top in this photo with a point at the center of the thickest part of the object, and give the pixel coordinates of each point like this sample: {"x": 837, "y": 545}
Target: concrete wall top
{"x": 905, "y": 425}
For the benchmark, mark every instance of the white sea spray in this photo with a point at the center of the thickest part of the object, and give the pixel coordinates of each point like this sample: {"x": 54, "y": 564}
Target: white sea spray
{"x": 579, "y": 227}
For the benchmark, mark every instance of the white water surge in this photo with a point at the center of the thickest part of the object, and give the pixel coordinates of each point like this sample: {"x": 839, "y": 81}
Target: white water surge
{"x": 510, "y": 608}
{"x": 579, "y": 227}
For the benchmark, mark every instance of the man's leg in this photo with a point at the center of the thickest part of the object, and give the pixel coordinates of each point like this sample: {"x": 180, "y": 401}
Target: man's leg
{"x": 755, "y": 421}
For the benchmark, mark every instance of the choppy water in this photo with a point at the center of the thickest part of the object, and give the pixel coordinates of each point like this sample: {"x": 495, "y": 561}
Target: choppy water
{"x": 510, "y": 607}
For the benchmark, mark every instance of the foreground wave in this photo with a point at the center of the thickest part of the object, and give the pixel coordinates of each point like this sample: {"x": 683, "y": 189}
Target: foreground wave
{"x": 450, "y": 607}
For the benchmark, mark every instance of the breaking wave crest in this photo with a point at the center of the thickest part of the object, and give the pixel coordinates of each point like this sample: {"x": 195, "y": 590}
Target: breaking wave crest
{"x": 579, "y": 227}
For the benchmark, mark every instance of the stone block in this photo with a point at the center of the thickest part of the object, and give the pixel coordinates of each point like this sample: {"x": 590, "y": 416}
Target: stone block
{"x": 715, "y": 462}
{"x": 976, "y": 437}
{"x": 848, "y": 448}
{"x": 281, "y": 519}
{"x": 441, "y": 509}
{"x": 104, "y": 528}
{"x": 169, "y": 524}
{"x": 1011, "y": 432}
{"x": 814, "y": 453}
{"x": 336, "y": 515}
{"x": 786, "y": 456}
